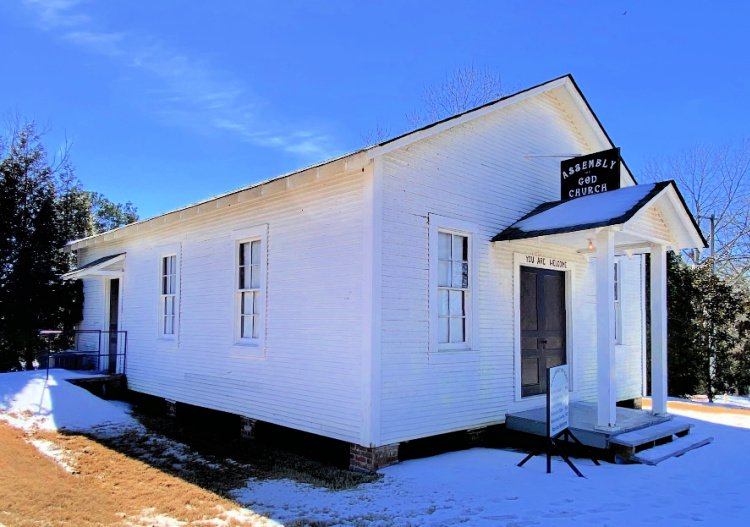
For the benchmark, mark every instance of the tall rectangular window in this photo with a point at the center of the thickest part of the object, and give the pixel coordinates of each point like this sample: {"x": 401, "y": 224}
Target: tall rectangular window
{"x": 249, "y": 289}
{"x": 168, "y": 294}
{"x": 453, "y": 288}
{"x": 618, "y": 303}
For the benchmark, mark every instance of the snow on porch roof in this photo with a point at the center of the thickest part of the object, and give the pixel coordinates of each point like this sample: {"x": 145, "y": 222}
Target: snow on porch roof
{"x": 597, "y": 210}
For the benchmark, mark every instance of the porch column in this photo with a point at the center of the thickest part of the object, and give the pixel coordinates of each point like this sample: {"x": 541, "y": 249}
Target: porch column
{"x": 659, "y": 329}
{"x": 606, "y": 407}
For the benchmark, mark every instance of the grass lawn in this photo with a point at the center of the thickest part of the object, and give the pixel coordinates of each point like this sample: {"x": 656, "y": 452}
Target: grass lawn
{"x": 98, "y": 486}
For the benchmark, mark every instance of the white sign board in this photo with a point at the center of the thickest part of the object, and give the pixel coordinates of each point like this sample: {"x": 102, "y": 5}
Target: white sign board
{"x": 558, "y": 399}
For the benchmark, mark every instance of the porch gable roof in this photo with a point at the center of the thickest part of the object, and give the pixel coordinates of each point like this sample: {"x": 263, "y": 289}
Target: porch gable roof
{"x": 95, "y": 267}
{"x": 607, "y": 209}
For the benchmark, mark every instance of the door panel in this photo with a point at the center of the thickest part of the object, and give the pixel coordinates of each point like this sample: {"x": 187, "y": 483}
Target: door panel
{"x": 529, "y": 317}
{"x": 543, "y": 322}
{"x": 554, "y": 301}
{"x": 530, "y": 371}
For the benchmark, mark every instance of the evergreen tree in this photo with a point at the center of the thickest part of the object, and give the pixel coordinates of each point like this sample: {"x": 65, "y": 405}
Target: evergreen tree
{"x": 685, "y": 355}
{"x": 708, "y": 347}
{"x": 41, "y": 209}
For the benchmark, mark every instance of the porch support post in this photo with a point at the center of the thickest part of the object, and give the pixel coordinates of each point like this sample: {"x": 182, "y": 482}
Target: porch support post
{"x": 659, "y": 329}
{"x": 606, "y": 404}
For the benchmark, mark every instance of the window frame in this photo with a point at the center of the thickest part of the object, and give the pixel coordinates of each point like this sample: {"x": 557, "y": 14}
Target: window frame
{"x": 260, "y": 235}
{"x": 465, "y": 291}
{"x": 441, "y": 224}
{"x": 164, "y": 295}
{"x": 617, "y": 284}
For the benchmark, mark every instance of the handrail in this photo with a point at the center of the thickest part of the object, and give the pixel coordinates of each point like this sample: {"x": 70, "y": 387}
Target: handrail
{"x": 111, "y": 359}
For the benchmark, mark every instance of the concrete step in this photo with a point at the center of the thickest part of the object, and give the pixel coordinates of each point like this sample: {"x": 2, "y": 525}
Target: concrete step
{"x": 676, "y": 448}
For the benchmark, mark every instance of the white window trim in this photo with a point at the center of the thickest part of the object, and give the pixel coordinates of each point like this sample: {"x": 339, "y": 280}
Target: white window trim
{"x": 619, "y": 341}
{"x": 169, "y": 341}
{"x": 250, "y": 346}
{"x": 466, "y": 351}
{"x": 522, "y": 260}
{"x": 162, "y": 296}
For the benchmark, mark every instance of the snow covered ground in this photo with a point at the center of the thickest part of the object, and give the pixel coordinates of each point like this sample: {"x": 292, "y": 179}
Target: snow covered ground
{"x": 30, "y": 400}
{"x": 478, "y": 487}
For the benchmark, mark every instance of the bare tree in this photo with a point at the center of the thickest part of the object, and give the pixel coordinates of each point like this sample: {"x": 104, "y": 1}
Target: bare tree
{"x": 376, "y": 134}
{"x": 715, "y": 181}
{"x": 464, "y": 89}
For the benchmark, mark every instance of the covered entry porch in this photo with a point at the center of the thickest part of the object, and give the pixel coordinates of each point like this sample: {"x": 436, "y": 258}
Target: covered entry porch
{"x": 642, "y": 219}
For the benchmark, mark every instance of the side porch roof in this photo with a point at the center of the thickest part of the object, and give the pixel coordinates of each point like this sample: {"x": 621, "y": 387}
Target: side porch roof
{"x": 100, "y": 267}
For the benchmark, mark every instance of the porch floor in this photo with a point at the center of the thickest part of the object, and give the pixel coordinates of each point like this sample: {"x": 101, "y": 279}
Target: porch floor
{"x": 583, "y": 423}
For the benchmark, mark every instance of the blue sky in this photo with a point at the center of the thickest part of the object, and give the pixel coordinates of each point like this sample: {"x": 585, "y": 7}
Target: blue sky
{"x": 168, "y": 102}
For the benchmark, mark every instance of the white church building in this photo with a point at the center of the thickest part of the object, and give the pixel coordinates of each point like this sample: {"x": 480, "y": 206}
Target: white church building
{"x": 416, "y": 287}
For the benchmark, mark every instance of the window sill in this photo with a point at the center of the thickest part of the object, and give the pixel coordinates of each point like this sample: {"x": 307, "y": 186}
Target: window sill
{"x": 247, "y": 350}
{"x": 166, "y": 343}
{"x": 453, "y": 356}
{"x": 532, "y": 398}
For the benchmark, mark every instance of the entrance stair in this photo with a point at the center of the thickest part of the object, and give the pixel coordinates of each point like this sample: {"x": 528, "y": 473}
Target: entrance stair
{"x": 655, "y": 443}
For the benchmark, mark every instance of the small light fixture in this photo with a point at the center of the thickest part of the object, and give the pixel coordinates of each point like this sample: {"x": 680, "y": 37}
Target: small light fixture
{"x": 591, "y": 245}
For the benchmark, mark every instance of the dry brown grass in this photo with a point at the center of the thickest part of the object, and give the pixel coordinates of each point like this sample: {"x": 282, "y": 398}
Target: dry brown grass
{"x": 105, "y": 488}
{"x": 701, "y": 408}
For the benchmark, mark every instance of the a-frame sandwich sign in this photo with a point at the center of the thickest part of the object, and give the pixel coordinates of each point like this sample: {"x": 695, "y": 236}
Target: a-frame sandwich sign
{"x": 558, "y": 419}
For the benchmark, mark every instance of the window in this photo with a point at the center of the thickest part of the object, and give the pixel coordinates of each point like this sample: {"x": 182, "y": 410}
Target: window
{"x": 618, "y": 303}
{"x": 453, "y": 289}
{"x": 249, "y": 271}
{"x": 168, "y": 306}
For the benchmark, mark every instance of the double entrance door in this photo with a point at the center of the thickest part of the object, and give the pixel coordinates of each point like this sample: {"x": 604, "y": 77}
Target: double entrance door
{"x": 543, "y": 322}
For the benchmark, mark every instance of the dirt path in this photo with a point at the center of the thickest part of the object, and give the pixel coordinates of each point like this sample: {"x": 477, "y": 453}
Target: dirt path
{"x": 97, "y": 486}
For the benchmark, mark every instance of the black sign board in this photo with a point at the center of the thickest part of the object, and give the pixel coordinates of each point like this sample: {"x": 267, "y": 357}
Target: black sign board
{"x": 590, "y": 174}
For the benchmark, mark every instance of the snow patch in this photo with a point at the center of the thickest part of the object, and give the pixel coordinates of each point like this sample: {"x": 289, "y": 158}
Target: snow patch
{"x": 30, "y": 401}
{"x": 51, "y": 450}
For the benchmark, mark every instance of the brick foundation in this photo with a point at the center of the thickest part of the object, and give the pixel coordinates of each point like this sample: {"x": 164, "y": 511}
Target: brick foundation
{"x": 477, "y": 436}
{"x": 370, "y": 459}
{"x": 170, "y": 408}
{"x": 247, "y": 428}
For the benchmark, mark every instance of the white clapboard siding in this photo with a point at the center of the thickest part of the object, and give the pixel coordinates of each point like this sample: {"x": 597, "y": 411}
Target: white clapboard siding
{"x": 309, "y": 376}
{"x": 347, "y": 324}
{"x": 651, "y": 224}
{"x": 488, "y": 172}
{"x": 93, "y": 312}
{"x": 630, "y": 355}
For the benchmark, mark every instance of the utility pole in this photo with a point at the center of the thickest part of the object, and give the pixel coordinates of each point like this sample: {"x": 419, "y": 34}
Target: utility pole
{"x": 712, "y": 341}
{"x": 711, "y": 336}
{"x": 713, "y": 244}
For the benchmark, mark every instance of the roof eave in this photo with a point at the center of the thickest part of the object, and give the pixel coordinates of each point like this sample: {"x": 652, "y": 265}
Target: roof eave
{"x": 352, "y": 162}
{"x": 456, "y": 120}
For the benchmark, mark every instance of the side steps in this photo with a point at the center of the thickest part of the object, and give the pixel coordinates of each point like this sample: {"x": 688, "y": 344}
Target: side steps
{"x": 653, "y": 444}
